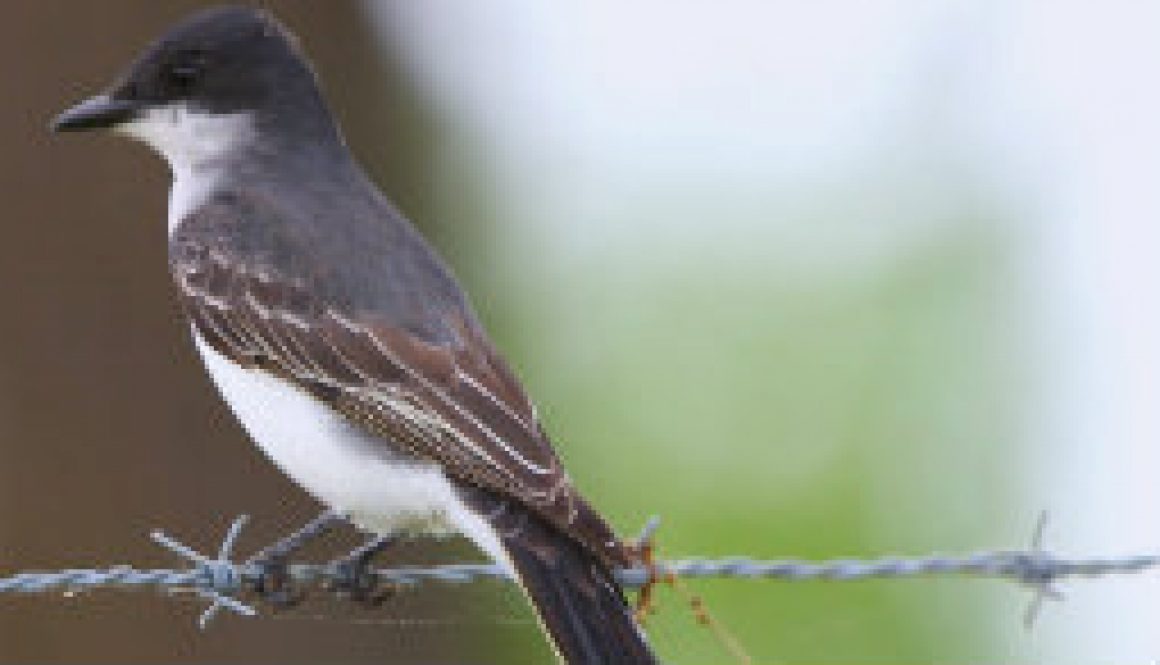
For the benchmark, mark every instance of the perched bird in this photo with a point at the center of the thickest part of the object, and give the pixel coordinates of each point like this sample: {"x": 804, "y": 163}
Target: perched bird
{"x": 338, "y": 337}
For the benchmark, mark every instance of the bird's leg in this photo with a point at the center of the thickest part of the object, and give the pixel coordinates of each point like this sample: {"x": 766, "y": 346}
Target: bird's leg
{"x": 353, "y": 577}
{"x": 273, "y": 584}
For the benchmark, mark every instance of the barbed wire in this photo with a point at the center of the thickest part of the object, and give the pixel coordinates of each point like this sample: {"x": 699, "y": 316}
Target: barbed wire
{"x": 219, "y": 579}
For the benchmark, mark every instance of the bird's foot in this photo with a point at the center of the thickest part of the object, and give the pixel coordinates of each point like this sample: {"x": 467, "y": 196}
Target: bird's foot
{"x": 273, "y": 583}
{"x": 352, "y": 576}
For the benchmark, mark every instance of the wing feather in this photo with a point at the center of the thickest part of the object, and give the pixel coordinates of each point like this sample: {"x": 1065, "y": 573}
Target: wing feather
{"x": 455, "y": 402}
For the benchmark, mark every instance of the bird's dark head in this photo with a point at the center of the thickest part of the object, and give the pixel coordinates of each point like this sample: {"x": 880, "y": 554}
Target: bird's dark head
{"x": 226, "y": 70}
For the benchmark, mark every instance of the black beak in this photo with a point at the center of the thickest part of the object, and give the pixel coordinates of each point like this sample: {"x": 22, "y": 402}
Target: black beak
{"x": 100, "y": 112}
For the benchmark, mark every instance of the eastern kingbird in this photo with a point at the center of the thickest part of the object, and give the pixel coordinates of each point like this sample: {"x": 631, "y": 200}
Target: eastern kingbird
{"x": 340, "y": 340}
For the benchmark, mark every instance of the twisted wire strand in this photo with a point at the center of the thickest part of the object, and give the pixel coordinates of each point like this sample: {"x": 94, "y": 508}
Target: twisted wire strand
{"x": 218, "y": 578}
{"x": 1026, "y": 567}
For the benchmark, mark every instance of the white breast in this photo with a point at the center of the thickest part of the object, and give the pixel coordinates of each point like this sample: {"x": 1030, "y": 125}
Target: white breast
{"x": 341, "y": 465}
{"x": 337, "y": 463}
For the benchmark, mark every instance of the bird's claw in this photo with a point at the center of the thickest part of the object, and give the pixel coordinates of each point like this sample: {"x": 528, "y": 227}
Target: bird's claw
{"x": 353, "y": 577}
{"x": 273, "y": 584}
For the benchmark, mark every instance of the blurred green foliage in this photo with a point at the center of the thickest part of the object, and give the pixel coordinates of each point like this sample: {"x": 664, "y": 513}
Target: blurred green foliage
{"x": 768, "y": 415}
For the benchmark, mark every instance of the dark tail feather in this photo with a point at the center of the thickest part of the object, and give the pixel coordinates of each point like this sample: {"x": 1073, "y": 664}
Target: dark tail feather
{"x": 578, "y": 601}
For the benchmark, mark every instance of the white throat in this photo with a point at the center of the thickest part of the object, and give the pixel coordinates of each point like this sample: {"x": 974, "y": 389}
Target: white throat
{"x": 199, "y": 147}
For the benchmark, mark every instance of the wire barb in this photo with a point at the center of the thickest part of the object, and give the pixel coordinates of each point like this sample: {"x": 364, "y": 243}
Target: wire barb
{"x": 1040, "y": 574}
{"x": 219, "y": 577}
{"x": 644, "y": 550}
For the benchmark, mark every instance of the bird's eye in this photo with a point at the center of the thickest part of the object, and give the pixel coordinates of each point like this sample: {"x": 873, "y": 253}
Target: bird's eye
{"x": 181, "y": 78}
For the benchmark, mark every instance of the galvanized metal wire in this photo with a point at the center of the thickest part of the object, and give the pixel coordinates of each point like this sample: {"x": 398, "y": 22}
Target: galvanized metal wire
{"x": 219, "y": 579}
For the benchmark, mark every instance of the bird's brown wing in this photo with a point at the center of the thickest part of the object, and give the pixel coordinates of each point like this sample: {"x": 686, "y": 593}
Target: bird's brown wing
{"x": 455, "y": 403}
